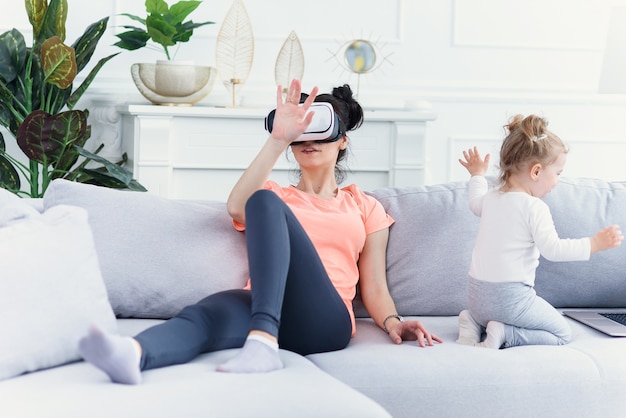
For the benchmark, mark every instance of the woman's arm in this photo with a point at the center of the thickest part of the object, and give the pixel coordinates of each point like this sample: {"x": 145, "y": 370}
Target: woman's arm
{"x": 376, "y": 297}
{"x": 289, "y": 123}
{"x": 253, "y": 178}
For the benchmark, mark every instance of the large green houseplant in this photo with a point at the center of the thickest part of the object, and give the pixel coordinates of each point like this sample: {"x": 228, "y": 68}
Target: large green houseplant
{"x": 37, "y": 102}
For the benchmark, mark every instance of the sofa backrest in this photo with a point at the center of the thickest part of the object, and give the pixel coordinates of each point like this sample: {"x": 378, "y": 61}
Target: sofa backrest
{"x": 157, "y": 255}
{"x": 431, "y": 242}
{"x": 429, "y": 249}
{"x": 581, "y": 207}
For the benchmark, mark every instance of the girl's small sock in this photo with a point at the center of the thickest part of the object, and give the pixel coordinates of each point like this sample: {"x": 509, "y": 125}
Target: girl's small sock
{"x": 115, "y": 355}
{"x": 258, "y": 355}
{"x": 495, "y": 336}
{"x": 470, "y": 331}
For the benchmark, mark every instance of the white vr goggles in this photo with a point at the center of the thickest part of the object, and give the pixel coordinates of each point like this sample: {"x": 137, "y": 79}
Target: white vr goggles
{"x": 323, "y": 128}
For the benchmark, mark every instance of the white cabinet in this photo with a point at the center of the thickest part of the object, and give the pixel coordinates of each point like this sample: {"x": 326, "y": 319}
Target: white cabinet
{"x": 199, "y": 152}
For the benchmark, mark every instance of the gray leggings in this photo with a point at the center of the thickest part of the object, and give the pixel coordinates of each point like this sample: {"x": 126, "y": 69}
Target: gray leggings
{"x": 292, "y": 297}
{"x": 528, "y": 318}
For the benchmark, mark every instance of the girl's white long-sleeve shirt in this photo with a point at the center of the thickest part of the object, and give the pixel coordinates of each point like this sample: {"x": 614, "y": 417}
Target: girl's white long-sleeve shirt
{"x": 515, "y": 228}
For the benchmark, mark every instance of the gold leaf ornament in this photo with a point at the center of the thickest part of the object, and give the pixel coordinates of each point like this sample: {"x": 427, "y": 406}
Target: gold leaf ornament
{"x": 234, "y": 49}
{"x": 290, "y": 61}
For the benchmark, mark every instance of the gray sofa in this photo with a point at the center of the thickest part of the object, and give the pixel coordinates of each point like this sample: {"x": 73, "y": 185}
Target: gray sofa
{"x": 158, "y": 255}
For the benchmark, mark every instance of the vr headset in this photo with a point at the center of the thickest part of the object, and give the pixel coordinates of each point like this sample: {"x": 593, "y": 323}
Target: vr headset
{"x": 323, "y": 128}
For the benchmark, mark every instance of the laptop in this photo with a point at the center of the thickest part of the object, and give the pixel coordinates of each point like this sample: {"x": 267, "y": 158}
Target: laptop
{"x": 612, "y": 323}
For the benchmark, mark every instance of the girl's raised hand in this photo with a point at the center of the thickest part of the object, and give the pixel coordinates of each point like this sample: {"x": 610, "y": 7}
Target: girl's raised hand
{"x": 473, "y": 162}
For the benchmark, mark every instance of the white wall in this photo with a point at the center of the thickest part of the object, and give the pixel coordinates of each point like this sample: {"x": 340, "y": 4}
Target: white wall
{"x": 476, "y": 62}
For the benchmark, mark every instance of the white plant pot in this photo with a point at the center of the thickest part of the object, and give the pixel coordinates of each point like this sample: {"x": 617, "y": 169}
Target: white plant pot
{"x": 173, "y": 82}
{"x": 175, "y": 78}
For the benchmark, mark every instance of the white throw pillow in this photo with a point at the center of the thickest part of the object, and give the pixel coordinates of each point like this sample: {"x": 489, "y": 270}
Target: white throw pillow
{"x": 51, "y": 288}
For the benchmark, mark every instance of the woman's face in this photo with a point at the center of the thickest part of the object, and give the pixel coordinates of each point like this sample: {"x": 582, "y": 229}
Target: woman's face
{"x": 312, "y": 155}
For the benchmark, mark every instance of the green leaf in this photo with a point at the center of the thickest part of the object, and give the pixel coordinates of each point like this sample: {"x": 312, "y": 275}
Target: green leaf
{"x": 156, "y": 7}
{"x": 135, "y": 186}
{"x": 182, "y": 9}
{"x": 132, "y": 39}
{"x": 110, "y": 174}
{"x": 190, "y": 25}
{"x": 6, "y": 100}
{"x": 9, "y": 178}
{"x": 160, "y": 30}
{"x": 101, "y": 178}
{"x": 35, "y": 9}
{"x": 85, "y": 46}
{"x": 12, "y": 54}
{"x": 53, "y": 22}
{"x": 76, "y": 95}
{"x": 5, "y": 93}
{"x": 36, "y": 80}
{"x": 70, "y": 155}
{"x": 114, "y": 170}
{"x": 134, "y": 17}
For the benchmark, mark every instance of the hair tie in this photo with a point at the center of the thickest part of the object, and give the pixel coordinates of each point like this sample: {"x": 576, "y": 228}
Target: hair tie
{"x": 539, "y": 138}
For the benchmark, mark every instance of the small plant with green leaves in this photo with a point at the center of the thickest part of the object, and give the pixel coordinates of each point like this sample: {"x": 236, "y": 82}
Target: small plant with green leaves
{"x": 164, "y": 25}
{"x": 37, "y": 102}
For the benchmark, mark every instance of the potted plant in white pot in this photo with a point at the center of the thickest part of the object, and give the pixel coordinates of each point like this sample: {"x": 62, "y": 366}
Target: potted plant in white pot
{"x": 168, "y": 81}
{"x": 37, "y": 99}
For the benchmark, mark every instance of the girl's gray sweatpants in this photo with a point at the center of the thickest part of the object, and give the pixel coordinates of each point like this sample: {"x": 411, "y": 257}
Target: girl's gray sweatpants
{"x": 528, "y": 319}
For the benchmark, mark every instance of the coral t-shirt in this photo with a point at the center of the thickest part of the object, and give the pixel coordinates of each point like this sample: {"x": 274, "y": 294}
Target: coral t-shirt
{"x": 338, "y": 228}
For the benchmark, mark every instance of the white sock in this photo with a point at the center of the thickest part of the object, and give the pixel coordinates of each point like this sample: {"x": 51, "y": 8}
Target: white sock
{"x": 470, "y": 331}
{"x": 115, "y": 355}
{"x": 495, "y": 336}
{"x": 258, "y": 355}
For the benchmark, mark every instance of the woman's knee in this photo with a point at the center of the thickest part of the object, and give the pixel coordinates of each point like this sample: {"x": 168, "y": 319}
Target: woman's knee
{"x": 233, "y": 303}
{"x": 262, "y": 198}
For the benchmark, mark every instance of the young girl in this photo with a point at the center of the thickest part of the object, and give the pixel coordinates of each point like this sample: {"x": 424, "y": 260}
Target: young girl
{"x": 515, "y": 228}
{"x": 308, "y": 246}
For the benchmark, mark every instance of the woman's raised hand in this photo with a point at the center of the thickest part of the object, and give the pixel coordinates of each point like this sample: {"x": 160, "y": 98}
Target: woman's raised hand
{"x": 290, "y": 121}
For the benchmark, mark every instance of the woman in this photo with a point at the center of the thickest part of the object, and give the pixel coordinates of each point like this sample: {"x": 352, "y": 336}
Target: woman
{"x": 308, "y": 245}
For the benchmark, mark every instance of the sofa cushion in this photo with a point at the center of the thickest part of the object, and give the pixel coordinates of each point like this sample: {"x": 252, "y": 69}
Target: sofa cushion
{"x": 586, "y": 378}
{"x": 581, "y": 207}
{"x": 190, "y": 390}
{"x": 157, "y": 255}
{"x": 51, "y": 289}
{"x": 429, "y": 223}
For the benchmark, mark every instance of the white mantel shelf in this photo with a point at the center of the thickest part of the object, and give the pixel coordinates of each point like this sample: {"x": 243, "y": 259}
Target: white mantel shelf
{"x": 200, "y": 111}
{"x": 199, "y": 152}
